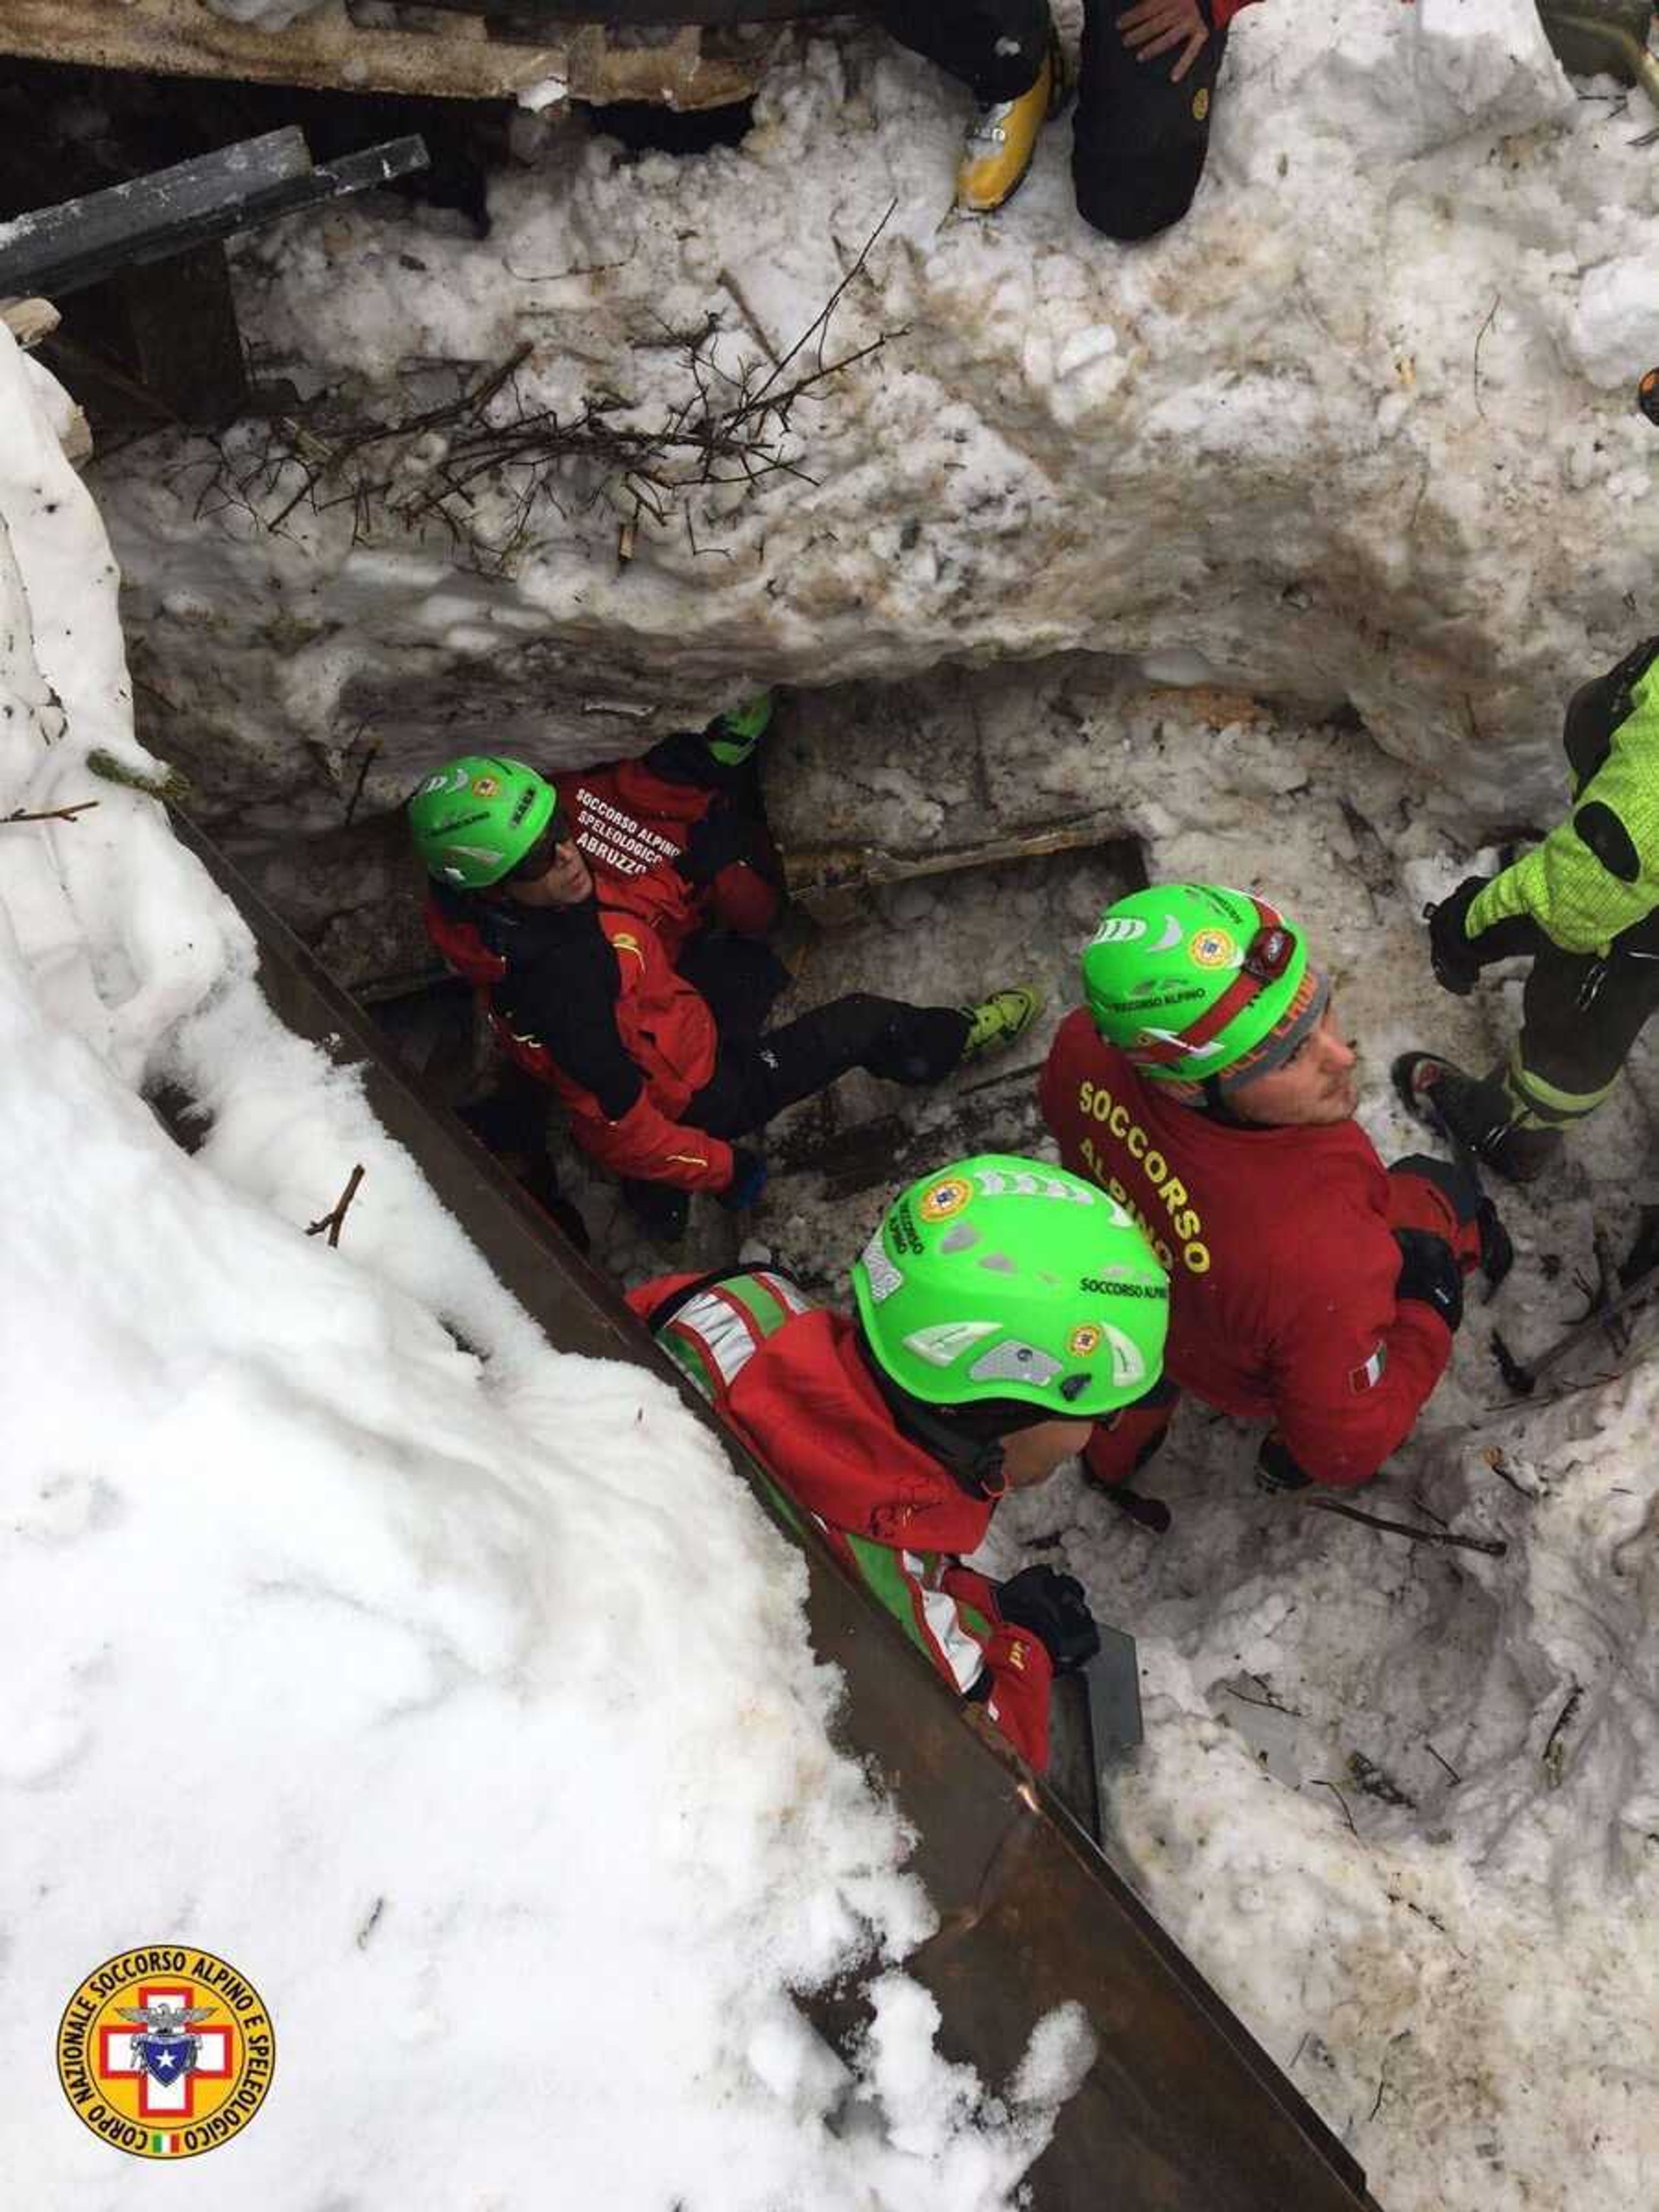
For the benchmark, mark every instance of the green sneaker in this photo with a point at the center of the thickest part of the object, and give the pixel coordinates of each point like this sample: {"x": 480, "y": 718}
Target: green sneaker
{"x": 1000, "y": 1018}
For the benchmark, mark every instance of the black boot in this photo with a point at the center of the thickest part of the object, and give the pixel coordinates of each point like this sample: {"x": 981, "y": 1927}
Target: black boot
{"x": 1477, "y": 1111}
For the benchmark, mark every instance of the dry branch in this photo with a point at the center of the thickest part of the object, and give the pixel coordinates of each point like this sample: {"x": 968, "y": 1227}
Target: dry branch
{"x": 49, "y": 813}
{"x": 335, "y": 1221}
{"x": 484, "y": 465}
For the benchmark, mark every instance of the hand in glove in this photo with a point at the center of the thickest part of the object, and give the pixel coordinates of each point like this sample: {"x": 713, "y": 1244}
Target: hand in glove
{"x": 1458, "y": 957}
{"x": 722, "y": 836}
{"x": 748, "y": 1182}
{"x": 1276, "y": 1471}
{"x": 1053, "y": 1607}
{"x": 1429, "y": 1272}
{"x": 1456, "y": 963}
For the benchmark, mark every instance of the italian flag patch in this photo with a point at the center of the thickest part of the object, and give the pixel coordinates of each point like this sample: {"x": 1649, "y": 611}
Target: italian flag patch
{"x": 1367, "y": 1376}
{"x": 164, "y": 2146}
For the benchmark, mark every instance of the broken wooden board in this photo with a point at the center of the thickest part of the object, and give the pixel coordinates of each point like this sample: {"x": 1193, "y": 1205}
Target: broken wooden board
{"x": 879, "y": 784}
{"x": 455, "y": 58}
{"x": 454, "y": 50}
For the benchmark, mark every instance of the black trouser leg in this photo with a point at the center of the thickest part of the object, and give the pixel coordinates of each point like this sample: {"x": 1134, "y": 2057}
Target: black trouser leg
{"x": 1580, "y": 1016}
{"x": 1139, "y": 140}
{"x": 995, "y": 47}
{"x": 756, "y": 1078}
{"x": 739, "y": 976}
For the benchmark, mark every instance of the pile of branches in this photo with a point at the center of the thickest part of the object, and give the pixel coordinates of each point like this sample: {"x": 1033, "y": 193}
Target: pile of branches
{"x": 484, "y": 465}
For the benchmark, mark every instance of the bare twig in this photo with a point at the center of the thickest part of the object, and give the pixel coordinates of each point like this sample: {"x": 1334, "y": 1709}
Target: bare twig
{"x": 1485, "y": 328}
{"x": 489, "y": 450}
{"x": 1446, "y": 1763}
{"x": 49, "y": 813}
{"x": 371, "y": 749}
{"x": 1267, "y": 1704}
{"x": 1494, "y": 1546}
{"x": 335, "y": 1221}
{"x": 1315, "y": 1781}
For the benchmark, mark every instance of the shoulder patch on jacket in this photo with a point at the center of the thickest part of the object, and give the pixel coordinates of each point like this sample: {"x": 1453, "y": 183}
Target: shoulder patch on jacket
{"x": 1367, "y": 1376}
{"x": 1600, "y": 827}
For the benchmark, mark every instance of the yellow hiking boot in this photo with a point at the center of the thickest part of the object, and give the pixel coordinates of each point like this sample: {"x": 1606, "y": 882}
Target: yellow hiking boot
{"x": 998, "y": 1020}
{"x": 1002, "y": 138}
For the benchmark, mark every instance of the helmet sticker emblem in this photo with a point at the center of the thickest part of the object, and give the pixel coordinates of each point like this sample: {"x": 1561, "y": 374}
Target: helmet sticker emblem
{"x": 1213, "y": 948}
{"x": 946, "y": 1200}
{"x": 1084, "y": 1340}
{"x": 948, "y": 1339}
{"x": 1127, "y": 1365}
{"x": 486, "y": 787}
{"x": 884, "y": 1277}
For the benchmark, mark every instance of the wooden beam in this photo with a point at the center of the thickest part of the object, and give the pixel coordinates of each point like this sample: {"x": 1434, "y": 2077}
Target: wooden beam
{"x": 324, "y": 49}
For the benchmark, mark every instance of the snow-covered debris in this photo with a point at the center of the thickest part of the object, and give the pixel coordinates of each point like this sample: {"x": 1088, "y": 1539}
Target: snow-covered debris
{"x": 461, "y": 1697}
{"x": 1357, "y": 430}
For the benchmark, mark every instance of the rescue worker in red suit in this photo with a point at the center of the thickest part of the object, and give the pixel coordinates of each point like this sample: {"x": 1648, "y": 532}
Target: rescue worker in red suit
{"x": 1205, "y": 1085}
{"x": 1145, "y": 98}
{"x": 660, "y": 1069}
{"x": 1002, "y": 1307}
{"x": 628, "y": 816}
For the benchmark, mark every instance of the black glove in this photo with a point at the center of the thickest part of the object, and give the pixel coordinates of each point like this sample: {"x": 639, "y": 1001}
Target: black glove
{"x": 748, "y": 1181}
{"x": 1429, "y": 1272}
{"x": 722, "y": 836}
{"x": 1456, "y": 963}
{"x": 1458, "y": 958}
{"x": 1276, "y": 1471}
{"x": 1053, "y": 1607}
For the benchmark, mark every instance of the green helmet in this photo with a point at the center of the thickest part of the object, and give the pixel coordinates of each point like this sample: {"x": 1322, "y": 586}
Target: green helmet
{"x": 735, "y": 734}
{"x": 1002, "y": 1278}
{"x": 474, "y": 820}
{"x": 1186, "y": 979}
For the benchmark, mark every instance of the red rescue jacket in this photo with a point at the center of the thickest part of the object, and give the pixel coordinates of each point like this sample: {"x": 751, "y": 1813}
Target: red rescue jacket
{"x": 629, "y": 819}
{"x": 788, "y": 1379}
{"x": 637, "y": 1008}
{"x": 1280, "y": 1248}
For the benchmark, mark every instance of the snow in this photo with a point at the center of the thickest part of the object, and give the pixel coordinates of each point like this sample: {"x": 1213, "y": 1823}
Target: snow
{"x": 454, "y": 1689}
{"x": 1278, "y": 545}
{"x": 1369, "y": 377}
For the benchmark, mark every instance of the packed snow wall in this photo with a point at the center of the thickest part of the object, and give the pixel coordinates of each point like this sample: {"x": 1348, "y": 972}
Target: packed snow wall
{"x": 1360, "y": 430}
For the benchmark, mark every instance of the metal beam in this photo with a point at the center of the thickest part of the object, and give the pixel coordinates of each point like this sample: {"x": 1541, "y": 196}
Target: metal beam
{"x": 59, "y": 249}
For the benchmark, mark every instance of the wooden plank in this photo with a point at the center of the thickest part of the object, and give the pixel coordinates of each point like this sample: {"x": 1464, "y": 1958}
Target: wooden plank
{"x": 522, "y": 17}
{"x": 324, "y": 49}
{"x": 85, "y": 242}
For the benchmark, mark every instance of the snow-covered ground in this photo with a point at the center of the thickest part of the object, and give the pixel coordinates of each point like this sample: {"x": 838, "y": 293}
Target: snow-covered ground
{"x": 364, "y": 1660}
{"x": 1357, "y": 436}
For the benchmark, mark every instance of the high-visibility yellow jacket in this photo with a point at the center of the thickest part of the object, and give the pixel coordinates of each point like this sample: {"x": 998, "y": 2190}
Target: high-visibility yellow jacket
{"x": 1597, "y": 873}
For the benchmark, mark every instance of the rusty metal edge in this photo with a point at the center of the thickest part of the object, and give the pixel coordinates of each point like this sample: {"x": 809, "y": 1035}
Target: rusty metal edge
{"x": 1183, "y": 2111}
